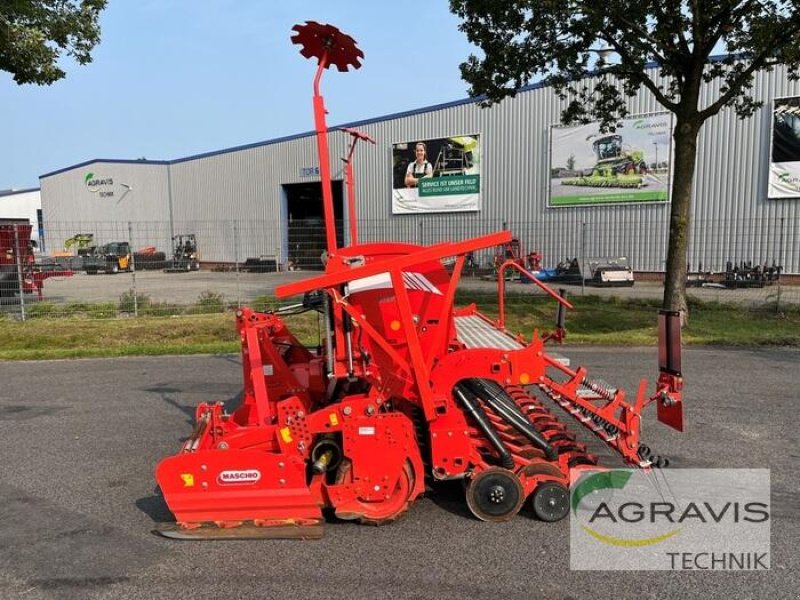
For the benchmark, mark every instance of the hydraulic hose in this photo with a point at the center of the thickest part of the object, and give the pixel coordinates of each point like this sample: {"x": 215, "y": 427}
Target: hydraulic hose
{"x": 490, "y": 385}
{"x": 476, "y": 412}
{"x": 500, "y": 405}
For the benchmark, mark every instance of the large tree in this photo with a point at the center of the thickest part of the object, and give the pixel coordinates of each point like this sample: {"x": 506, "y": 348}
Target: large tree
{"x": 34, "y": 34}
{"x": 561, "y": 42}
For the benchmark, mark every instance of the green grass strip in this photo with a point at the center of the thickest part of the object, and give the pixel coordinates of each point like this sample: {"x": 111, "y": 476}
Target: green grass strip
{"x": 595, "y": 320}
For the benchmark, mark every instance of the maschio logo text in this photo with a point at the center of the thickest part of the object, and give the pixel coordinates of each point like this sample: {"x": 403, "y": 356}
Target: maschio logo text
{"x": 243, "y": 477}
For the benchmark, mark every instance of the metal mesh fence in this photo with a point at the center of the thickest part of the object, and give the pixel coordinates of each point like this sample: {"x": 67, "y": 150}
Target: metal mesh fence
{"x": 114, "y": 269}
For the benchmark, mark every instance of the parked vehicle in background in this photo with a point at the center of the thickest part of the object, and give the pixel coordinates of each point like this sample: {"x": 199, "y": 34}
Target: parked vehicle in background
{"x": 81, "y": 243}
{"x": 15, "y": 248}
{"x": 184, "y": 254}
{"x": 610, "y": 272}
{"x": 19, "y": 272}
{"x": 109, "y": 258}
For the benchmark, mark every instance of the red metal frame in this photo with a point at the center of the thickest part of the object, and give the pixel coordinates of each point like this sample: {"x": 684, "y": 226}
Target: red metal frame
{"x": 501, "y": 288}
{"x": 16, "y": 255}
{"x": 395, "y": 393}
{"x": 350, "y": 181}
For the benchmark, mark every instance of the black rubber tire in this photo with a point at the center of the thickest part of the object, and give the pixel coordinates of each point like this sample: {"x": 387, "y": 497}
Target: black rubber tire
{"x": 495, "y": 495}
{"x": 550, "y": 501}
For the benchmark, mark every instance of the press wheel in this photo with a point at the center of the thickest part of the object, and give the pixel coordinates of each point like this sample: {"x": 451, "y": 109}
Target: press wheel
{"x": 550, "y": 501}
{"x": 495, "y": 495}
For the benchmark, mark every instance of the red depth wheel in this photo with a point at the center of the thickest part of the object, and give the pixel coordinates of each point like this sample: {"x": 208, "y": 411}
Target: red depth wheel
{"x": 376, "y": 512}
{"x": 328, "y": 45}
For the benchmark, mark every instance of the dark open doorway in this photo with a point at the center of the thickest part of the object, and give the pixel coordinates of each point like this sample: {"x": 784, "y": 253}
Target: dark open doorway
{"x": 305, "y": 222}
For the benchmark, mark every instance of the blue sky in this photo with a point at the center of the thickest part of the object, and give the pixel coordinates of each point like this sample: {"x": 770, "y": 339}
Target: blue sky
{"x": 173, "y": 78}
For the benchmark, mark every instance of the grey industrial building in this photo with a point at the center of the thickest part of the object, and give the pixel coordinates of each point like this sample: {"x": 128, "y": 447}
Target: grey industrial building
{"x": 241, "y": 202}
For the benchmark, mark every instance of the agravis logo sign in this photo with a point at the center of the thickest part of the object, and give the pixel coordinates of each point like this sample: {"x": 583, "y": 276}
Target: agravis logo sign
{"x": 99, "y": 185}
{"x": 679, "y": 519}
{"x": 646, "y": 124}
{"x": 790, "y": 180}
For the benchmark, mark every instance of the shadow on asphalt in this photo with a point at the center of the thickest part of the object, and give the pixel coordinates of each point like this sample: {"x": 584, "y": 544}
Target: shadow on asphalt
{"x": 231, "y": 358}
{"x": 165, "y": 392}
{"x": 155, "y": 508}
{"x": 449, "y": 496}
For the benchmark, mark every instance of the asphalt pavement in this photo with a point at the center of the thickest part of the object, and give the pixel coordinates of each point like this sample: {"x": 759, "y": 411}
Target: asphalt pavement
{"x": 80, "y": 439}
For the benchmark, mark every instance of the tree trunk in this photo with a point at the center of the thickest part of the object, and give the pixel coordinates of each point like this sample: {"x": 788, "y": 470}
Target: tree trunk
{"x": 685, "y": 136}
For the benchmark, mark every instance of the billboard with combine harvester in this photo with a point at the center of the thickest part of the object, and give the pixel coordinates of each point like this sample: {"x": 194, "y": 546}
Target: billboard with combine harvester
{"x": 629, "y": 165}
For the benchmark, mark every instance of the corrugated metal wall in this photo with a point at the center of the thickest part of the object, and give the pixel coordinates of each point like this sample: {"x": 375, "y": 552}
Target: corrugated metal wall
{"x": 732, "y": 218}
{"x": 237, "y": 195}
{"x": 69, "y": 207}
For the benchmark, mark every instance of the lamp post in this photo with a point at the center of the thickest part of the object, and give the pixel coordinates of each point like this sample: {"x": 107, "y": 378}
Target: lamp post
{"x": 655, "y": 144}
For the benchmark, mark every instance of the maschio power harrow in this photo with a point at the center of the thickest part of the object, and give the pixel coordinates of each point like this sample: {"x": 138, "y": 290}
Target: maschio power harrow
{"x": 403, "y": 391}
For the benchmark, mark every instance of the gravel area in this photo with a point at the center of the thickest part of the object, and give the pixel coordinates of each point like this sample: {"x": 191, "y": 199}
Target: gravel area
{"x": 186, "y": 288}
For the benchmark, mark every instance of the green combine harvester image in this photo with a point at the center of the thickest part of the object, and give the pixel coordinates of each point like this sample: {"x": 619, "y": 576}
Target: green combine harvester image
{"x": 616, "y": 166}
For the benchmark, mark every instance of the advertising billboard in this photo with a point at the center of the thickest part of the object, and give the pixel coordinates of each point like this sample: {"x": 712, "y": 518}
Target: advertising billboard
{"x": 630, "y": 165}
{"x": 437, "y": 175}
{"x": 784, "y": 166}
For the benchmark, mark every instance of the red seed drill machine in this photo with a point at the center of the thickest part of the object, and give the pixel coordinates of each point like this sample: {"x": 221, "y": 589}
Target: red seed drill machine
{"x": 403, "y": 389}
